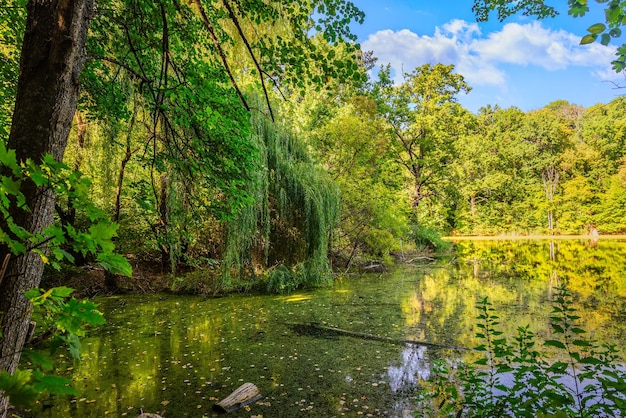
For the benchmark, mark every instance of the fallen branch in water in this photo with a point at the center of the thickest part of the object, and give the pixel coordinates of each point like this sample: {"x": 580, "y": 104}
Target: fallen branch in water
{"x": 431, "y": 259}
{"x": 313, "y": 328}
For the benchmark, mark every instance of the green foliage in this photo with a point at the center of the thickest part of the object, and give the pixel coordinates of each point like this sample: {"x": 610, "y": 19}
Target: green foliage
{"x": 292, "y": 215}
{"x": 12, "y": 18}
{"x": 18, "y": 387}
{"x": 517, "y": 171}
{"x": 68, "y": 317}
{"x": 428, "y": 239}
{"x": 61, "y": 321}
{"x": 55, "y": 177}
{"x": 281, "y": 280}
{"x": 516, "y": 378}
{"x": 423, "y": 122}
{"x": 181, "y": 68}
{"x": 482, "y": 8}
{"x": 348, "y": 137}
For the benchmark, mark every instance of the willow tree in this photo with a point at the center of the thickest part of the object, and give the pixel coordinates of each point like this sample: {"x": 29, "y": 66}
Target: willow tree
{"x": 191, "y": 63}
{"x": 286, "y": 228}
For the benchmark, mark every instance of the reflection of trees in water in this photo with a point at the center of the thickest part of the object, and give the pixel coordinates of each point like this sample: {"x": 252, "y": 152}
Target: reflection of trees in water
{"x": 588, "y": 267}
{"x": 519, "y": 278}
{"x": 415, "y": 366}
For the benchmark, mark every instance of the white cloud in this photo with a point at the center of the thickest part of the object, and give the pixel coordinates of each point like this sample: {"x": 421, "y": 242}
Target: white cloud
{"x": 532, "y": 44}
{"x": 481, "y": 59}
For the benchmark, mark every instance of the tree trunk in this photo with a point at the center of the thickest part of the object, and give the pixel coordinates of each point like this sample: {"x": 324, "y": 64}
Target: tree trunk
{"x": 550, "y": 178}
{"x": 50, "y": 64}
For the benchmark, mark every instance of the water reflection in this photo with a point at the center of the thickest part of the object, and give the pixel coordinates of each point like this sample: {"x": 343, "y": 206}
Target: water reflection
{"x": 181, "y": 355}
{"x": 415, "y": 366}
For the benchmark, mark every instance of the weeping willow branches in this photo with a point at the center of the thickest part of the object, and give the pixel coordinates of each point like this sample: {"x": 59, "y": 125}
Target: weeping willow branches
{"x": 287, "y": 228}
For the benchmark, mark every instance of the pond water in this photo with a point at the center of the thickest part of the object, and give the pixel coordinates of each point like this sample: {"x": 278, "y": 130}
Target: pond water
{"x": 180, "y": 355}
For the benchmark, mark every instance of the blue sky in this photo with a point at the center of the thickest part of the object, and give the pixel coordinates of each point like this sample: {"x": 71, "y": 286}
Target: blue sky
{"x": 521, "y": 62}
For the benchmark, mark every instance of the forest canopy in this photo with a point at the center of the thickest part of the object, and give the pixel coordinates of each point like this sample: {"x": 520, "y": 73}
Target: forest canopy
{"x": 171, "y": 129}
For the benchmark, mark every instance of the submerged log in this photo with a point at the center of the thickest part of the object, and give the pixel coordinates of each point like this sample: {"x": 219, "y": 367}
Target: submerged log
{"x": 242, "y": 396}
{"x": 320, "y": 329}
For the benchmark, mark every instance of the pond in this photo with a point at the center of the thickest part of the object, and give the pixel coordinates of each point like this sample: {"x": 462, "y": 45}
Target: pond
{"x": 180, "y": 355}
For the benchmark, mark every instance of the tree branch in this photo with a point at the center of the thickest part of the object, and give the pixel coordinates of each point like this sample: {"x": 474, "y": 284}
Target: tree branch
{"x": 221, "y": 52}
{"x": 118, "y": 63}
{"x": 234, "y": 19}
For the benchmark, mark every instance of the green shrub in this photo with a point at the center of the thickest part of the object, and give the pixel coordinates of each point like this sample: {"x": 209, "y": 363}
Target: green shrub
{"x": 428, "y": 239}
{"x": 379, "y": 243}
{"x": 568, "y": 376}
{"x": 281, "y": 279}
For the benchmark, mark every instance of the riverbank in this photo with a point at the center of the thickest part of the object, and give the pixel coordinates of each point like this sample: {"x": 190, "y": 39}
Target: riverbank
{"x": 148, "y": 277}
{"x": 91, "y": 280}
{"x": 512, "y": 237}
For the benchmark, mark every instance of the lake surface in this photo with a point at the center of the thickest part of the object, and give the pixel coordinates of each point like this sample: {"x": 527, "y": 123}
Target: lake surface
{"x": 180, "y": 355}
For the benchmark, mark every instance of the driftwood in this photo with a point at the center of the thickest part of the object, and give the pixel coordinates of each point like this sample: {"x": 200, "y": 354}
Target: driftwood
{"x": 242, "y": 396}
{"x": 148, "y": 415}
{"x": 313, "y": 328}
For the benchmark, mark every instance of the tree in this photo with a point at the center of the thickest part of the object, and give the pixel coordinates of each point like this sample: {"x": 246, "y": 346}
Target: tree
{"x": 493, "y": 175}
{"x": 614, "y": 12}
{"x": 47, "y": 90}
{"x": 350, "y": 140}
{"x": 424, "y": 120}
{"x": 550, "y": 135}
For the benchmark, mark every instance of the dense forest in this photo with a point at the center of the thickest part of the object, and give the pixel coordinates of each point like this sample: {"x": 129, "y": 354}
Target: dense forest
{"x": 240, "y": 174}
{"x": 253, "y": 144}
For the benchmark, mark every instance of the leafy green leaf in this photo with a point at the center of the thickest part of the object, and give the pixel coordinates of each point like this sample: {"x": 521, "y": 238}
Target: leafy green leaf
{"x": 115, "y": 263}
{"x": 554, "y": 343}
{"x": 596, "y": 29}
{"x": 74, "y": 346}
{"x": 590, "y": 360}
{"x": 18, "y": 388}
{"x": 605, "y": 39}
{"x": 588, "y": 39}
{"x": 62, "y": 292}
{"x": 39, "y": 359}
{"x": 56, "y": 385}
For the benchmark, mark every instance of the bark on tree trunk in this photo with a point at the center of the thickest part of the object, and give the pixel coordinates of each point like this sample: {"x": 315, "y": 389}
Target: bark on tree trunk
{"x": 50, "y": 64}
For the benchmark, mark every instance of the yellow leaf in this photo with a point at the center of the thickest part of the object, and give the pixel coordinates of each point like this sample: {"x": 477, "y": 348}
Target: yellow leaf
{"x": 48, "y": 292}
